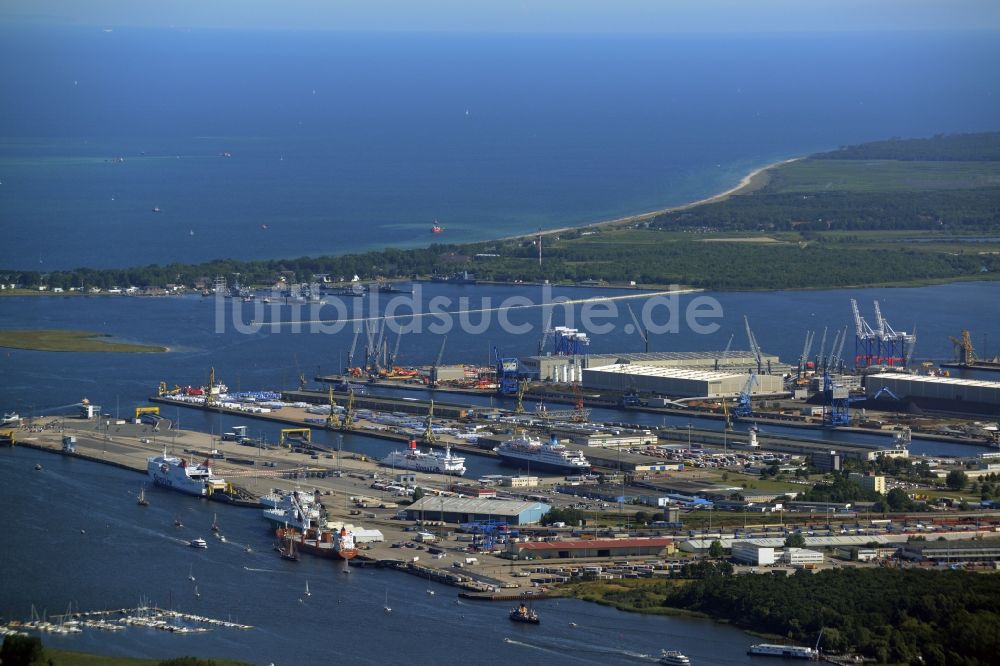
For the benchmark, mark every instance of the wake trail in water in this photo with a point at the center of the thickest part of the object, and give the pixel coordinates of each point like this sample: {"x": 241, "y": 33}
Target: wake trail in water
{"x": 564, "y": 647}
{"x": 277, "y": 571}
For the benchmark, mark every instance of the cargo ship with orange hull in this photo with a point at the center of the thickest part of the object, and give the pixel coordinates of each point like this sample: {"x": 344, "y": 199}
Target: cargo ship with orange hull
{"x": 332, "y": 545}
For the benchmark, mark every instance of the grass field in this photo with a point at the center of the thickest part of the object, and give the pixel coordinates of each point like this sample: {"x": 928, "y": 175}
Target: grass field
{"x": 881, "y": 176}
{"x": 68, "y": 341}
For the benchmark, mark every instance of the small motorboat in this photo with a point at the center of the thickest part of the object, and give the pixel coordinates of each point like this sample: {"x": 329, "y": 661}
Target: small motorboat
{"x": 673, "y": 658}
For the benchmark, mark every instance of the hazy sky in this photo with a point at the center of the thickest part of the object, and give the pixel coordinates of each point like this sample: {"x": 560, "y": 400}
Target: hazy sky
{"x": 516, "y": 15}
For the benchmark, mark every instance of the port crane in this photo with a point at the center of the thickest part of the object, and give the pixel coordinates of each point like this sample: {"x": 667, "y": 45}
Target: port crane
{"x": 822, "y": 350}
{"x": 348, "y": 369}
{"x": 755, "y": 349}
{"x": 744, "y": 407}
{"x": 643, "y": 333}
{"x": 210, "y": 394}
{"x": 806, "y": 348}
{"x": 507, "y": 380}
{"x": 966, "y": 352}
{"x": 546, "y": 332}
{"x": 836, "y": 403}
{"x": 433, "y": 382}
{"x": 348, "y": 422}
{"x": 332, "y": 421}
{"x": 429, "y": 437}
{"x": 724, "y": 359}
{"x": 521, "y": 388}
{"x": 881, "y": 345}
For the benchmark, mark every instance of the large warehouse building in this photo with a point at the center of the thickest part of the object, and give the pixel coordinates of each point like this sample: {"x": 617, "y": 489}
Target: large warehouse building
{"x": 676, "y": 382}
{"x": 566, "y": 368}
{"x": 467, "y": 510}
{"x": 604, "y": 548}
{"x": 925, "y": 388}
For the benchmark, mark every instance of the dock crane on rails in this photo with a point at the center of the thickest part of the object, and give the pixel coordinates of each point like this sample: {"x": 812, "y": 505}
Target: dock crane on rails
{"x": 348, "y": 422}
{"x": 391, "y": 360}
{"x": 836, "y": 403}
{"x": 966, "y": 352}
{"x": 837, "y": 353}
{"x": 211, "y": 393}
{"x": 744, "y": 407}
{"x": 806, "y": 348}
{"x": 822, "y": 349}
{"x": 348, "y": 370}
{"x": 643, "y": 333}
{"x": 433, "y": 381}
{"x": 507, "y": 380}
{"x": 332, "y": 422}
{"x": 521, "y": 388}
{"x": 546, "y": 333}
{"x": 755, "y": 349}
{"x": 580, "y": 412}
{"x": 301, "y": 375}
{"x": 429, "y": 437}
{"x": 828, "y": 359}
{"x": 865, "y": 352}
{"x": 725, "y": 353}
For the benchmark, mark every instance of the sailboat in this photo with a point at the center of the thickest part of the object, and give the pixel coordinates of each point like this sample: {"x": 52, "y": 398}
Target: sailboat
{"x": 215, "y": 522}
{"x": 142, "y": 501}
{"x": 177, "y": 522}
{"x": 196, "y": 592}
{"x": 191, "y": 573}
{"x": 308, "y": 593}
{"x": 287, "y": 551}
{"x": 386, "y": 608}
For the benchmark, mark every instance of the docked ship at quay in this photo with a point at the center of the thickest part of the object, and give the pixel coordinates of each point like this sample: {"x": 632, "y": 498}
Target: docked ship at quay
{"x": 177, "y": 474}
{"x": 426, "y": 461}
{"x": 549, "y": 456}
{"x": 337, "y": 543}
{"x": 295, "y": 510}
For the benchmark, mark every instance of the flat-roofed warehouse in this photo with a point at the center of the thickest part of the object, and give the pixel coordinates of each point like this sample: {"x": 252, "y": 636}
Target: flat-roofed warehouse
{"x": 987, "y": 550}
{"x": 943, "y": 389}
{"x": 469, "y": 509}
{"x": 676, "y": 382}
{"x": 558, "y": 367}
{"x": 634, "y": 547}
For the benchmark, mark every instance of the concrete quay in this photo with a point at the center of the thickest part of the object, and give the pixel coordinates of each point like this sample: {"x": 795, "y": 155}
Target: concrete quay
{"x": 337, "y": 479}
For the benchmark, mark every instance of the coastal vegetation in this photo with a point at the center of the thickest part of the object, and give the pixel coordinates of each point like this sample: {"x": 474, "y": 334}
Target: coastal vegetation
{"x": 29, "y": 651}
{"x": 895, "y": 616}
{"x": 895, "y": 212}
{"x": 68, "y": 341}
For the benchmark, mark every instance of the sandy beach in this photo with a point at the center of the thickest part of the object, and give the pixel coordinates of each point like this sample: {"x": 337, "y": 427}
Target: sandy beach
{"x": 641, "y": 217}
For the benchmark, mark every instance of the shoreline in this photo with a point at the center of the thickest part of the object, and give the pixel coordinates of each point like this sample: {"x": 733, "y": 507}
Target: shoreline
{"x": 745, "y": 182}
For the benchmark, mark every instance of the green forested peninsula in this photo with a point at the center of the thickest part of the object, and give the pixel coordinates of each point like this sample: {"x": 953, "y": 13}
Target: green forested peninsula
{"x": 892, "y": 212}
{"x": 896, "y": 616}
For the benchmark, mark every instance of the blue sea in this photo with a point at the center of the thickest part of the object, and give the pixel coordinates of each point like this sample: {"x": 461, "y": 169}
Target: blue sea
{"x": 343, "y": 142}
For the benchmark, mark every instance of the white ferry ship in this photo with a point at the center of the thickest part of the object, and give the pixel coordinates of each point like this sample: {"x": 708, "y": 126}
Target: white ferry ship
{"x": 177, "y": 474}
{"x": 551, "y": 456}
{"x": 786, "y": 651}
{"x": 429, "y": 461}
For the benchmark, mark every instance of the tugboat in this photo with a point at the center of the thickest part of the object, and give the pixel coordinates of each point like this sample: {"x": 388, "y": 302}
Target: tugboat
{"x": 525, "y": 614}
